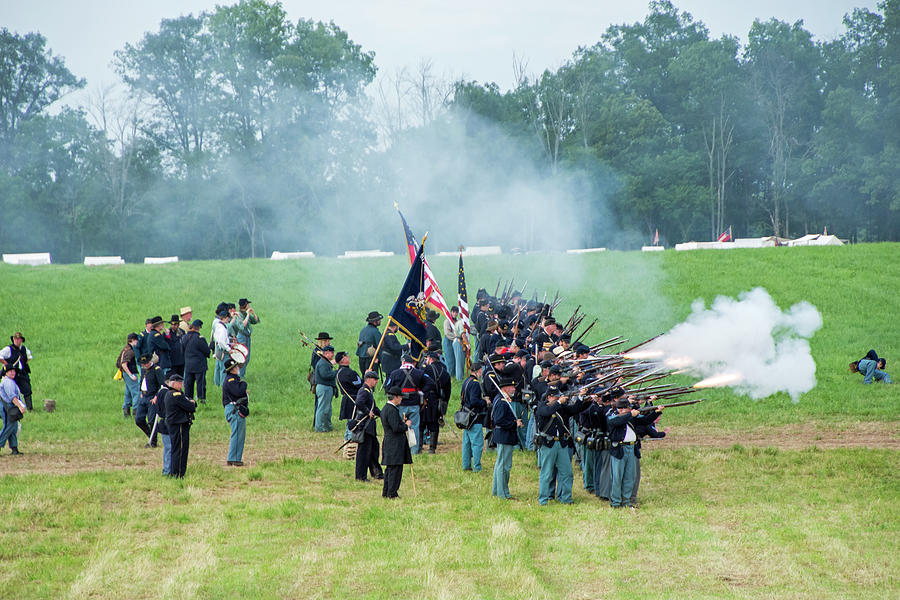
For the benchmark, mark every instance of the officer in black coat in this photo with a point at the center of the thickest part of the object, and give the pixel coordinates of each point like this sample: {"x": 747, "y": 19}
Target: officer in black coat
{"x": 162, "y": 428}
{"x": 365, "y": 411}
{"x": 196, "y": 356}
{"x": 417, "y": 388}
{"x": 173, "y": 338}
{"x": 179, "y": 416}
{"x": 158, "y": 344}
{"x": 435, "y": 407}
{"x": 152, "y": 378}
{"x": 395, "y": 451}
{"x": 432, "y": 333}
{"x": 348, "y": 382}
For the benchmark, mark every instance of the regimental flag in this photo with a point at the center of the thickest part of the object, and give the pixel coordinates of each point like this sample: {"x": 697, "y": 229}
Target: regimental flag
{"x": 433, "y": 293}
{"x": 409, "y": 309}
{"x": 463, "y": 298}
{"x": 656, "y": 238}
{"x": 726, "y": 235}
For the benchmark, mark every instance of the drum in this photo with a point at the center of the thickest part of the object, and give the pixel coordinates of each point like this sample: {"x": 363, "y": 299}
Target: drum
{"x": 239, "y": 353}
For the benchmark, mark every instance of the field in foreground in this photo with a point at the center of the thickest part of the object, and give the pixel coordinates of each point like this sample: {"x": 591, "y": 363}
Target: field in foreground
{"x": 747, "y": 499}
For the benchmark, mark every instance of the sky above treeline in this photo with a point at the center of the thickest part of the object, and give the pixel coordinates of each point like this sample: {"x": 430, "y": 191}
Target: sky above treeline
{"x": 472, "y": 39}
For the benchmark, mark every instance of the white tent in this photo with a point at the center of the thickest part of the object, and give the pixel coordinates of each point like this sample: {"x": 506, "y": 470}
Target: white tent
{"x": 34, "y": 258}
{"x": 276, "y": 255}
{"x": 93, "y": 261}
{"x": 816, "y": 239}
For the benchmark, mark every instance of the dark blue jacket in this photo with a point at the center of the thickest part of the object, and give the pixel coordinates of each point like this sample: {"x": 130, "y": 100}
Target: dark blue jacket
{"x": 618, "y": 425}
{"x": 364, "y": 403}
{"x": 471, "y": 398}
{"x": 160, "y": 346}
{"x": 553, "y": 421}
{"x": 505, "y": 427}
{"x": 196, "y": 352}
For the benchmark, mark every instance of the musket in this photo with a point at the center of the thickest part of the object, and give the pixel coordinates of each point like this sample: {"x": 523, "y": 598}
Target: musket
{"x": 647, "y": 409}
{"x": 584, "y": 333}
{"x": 311, "y": 344}
{"x": 613, "y": 341}
{"x": 358, "y": 423}
{"x": 522, "y": 293}
{"x": 572, "y": 318}
{"x": 641, "y": 378}
{"x": 644, "y": 343}
{"x": 497, "y": 289}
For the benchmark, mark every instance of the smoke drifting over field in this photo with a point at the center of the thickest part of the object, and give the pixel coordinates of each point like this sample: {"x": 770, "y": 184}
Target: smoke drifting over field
{"x": 748, "y": 344}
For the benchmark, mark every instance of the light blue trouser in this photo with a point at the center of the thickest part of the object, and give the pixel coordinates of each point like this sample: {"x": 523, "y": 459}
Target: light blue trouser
{"x": 637, "y": 479}
{"x": 602, "y": 474}
{"x": 449, "y": 357}
{"x": 622, "y": 477}
{"x": 870, "y": 371}
{"x": 412, "y": 413}
{"x": 472, "y": 447}
{"x": 559, "y": 459}
{"x": 10, "y": 431}
{"x": 132, "y": 390}
{"x": 245, "y": 341}
{"x": 167, "y": 453}
{"x": 459, "y": 353}
{"x": 529, "y": 434}
{"x": 238, "y": 433}
{"x": 587, "y": 467}
{"x": 521, "y": 412}
{"x": 324, "y": 394}
{"x": 502, "y": 468}
{"x": 219, "y": 373}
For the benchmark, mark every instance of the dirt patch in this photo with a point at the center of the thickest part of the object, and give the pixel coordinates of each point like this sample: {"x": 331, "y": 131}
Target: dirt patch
{"x": 45, "y": 458}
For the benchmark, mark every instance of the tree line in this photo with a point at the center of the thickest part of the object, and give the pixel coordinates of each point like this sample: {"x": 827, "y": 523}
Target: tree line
{"x": 237, "y": 132}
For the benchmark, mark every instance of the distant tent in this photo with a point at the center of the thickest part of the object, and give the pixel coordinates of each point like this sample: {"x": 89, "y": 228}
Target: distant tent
{"x": 816, "y": 239}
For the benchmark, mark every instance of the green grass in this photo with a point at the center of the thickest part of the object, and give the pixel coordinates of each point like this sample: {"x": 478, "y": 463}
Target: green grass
{"x": 715, "y": 523}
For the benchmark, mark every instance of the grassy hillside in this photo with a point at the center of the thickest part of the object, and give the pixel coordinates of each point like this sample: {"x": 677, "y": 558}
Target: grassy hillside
{"x": 724, "y": 522}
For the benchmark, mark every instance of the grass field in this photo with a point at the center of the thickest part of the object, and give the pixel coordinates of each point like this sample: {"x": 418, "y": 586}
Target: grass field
{"x": 754, "y": 499}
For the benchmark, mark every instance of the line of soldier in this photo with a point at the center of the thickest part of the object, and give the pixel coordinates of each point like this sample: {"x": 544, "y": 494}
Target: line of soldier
{"x": 525, "y": 394}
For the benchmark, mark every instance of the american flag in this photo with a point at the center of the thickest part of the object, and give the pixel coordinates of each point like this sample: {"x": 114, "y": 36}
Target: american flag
{"x": 463, "y": 298}
{"x": 726, "y": 235}
{"x": 432, "y": 291}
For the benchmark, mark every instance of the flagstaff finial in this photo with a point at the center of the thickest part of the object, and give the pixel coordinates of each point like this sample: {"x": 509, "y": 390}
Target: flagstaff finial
{"x": 424, "y": 237}
{"x": 461, "y": 248}
{"x": 397, "y": 206}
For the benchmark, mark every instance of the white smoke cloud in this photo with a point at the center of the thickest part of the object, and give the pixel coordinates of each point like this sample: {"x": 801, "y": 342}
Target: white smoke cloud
{"x": 750, "y": 343}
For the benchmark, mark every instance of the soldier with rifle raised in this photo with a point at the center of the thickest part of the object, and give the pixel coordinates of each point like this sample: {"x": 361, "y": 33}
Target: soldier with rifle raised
{"x": 623, "y": 437}
{"x": 554, "y": 437}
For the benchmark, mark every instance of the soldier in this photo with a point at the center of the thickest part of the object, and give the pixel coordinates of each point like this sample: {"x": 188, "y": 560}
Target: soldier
{"x": 158, "y": 344}
{"x": 241, "y": 328}
{"x": 416, "y": 387}
{"x": 395, "y": 450}
{"x": 10, "y": 395}
{"x": 391, "y": 351}
{"x": 221, "y": 342}
{"x": 179, "y": 416}
{"x": 365, "y": 413}
{"x": 145, "y": 414}
{"x": 187, "y": 316}
{"x": 176, "y": 352}
{"x": 19, "y": 356}
{"x": 323, "y": 339}
{"x": 432, "y": 333}
{"x": 555, "y": 439}
{"x": 237, "y": 408}
{"x": 369, "y": 336}
{"x": 436, "y": 407}
{"x": 196, "y": 354}
{"x": 602, "y": 463}
{"x": 130, "y": 374}
{"x": 162, "y": 427}
{"x": 622, "y": 439}
{"x": 325, "y": 384}
{"x": 473, "y": 437}
{"x": 504, "y": 435}
{"x": 348, "y": 383}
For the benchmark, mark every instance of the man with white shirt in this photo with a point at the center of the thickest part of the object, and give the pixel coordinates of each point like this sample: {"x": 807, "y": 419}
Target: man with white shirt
{"x": 622, "y": 437}
{"x": 221, "y": 343}
{"x": 17, "y": 355}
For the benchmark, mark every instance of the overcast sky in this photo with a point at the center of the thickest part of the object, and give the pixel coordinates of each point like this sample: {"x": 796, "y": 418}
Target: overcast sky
{"x": 476, "y": 39}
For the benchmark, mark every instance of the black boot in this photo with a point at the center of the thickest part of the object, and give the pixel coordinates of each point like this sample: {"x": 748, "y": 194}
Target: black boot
{"x": 432, "y": 443}
{"x": 126, "y": 412}
{"x": 15, "y": 450}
